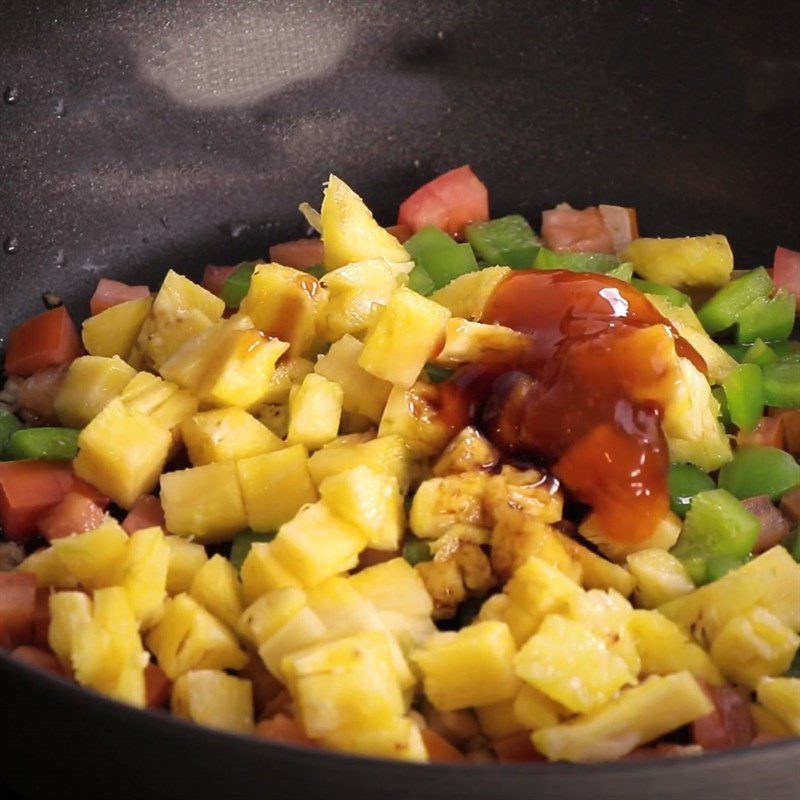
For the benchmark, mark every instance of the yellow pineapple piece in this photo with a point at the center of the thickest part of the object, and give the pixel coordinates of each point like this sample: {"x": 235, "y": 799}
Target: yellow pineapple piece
{"x": 204, "y": 502}
{"x": 572, "y": 665}
{"x": 349, "y": 231}
{"x": 318, "y": 544}
{"x": 288, "y": 372}
{"x": 781, "y": 696}
{"x": 70, "y": 613}
{"x": 144, "y": 572}
{"x": 276, "y": 417}
{"x": 468, "y": 295}
{"x": 766, "y": 722}
{"x": 660, "y": 577}
{"x": 113, "y": 332}
{"x": 185, "y": 560}
{"x": 664, "y": 537}
{"x": 639, "y": 715}
{"x": 522, "y": 494}
{"x": 188, "y": 637}
{"x": 471, "y": 667}
{"x": 534, "y": 709}
{"x": 315, "y": 411}
{"x": 370, "y": 501}
{"x": 122, "y": 453}
{"x": 498, "y": 719}
{"x": 466, "y": 342}
{"x": 442, "y": 502}
{"x": 468, "y": 451}
{"x": 494, "y": 608}
{"x": 180, "y": 310}
{"x": 90, "y": 384}
{"x": 686, "y": 261}
{"x": 303, "y": 629}
{"x": 146, "y": 392}
{"x": 386, "y": 454}
{"x": 393, "y": 586}
{"x": 664, "y": 648}
{"x": 753, "y": 645}
{"x": 49, "y": 569}
{"x": 400, "y": 739}
{"x": 211, "y": 697}
{"x": 95, "y": 557}
{"x": 286, "y": 304}
{"x": 216, "y": 587}
{"x": 413, "y": 415}
{"x": 261, "y": 573}
{"x": 226, "y": 434}
{"x": 275, "y": 486}
{"x": 597, "y": 572}
{"x": 363, "y": 393}
{"x": 407, "y": 331}
{"x": 267, "y": 615}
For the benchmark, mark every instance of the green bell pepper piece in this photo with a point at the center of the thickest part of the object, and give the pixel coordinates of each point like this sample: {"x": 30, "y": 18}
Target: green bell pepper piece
{"x": 624, "y": 272}
{"x": 438, "y": 374}
{"x": 419, "y": 281}
{"x": 744, "y": 394}
{"x": 717, "y": 526}
{"x": 719, "y": 566}
{"x": 785, "y": 351}
{"x": 508, "y": 241}
{"x": 782, "y": 384}
{"x": 756, "y": 470}
{"x": 723, "y": 309}
{"x": 50, "y": 444}
{"x": 439, "y": 256}
{"x": 575, "y": 262}
{"x": 724, "y": 412}
{"x": 242, "y": 543}
{"x": 771, "y": 319}
{"x": 415, "y": 551}
{"x": 427, "y": 239}
{"x": 9, "y": 425}
{"x": 673, "y": 295}
{"x": 792, "y": 544}
{"x": 237, "y": 284}
{"x": 685, "y": 481}
{"x": 760, "y": 353}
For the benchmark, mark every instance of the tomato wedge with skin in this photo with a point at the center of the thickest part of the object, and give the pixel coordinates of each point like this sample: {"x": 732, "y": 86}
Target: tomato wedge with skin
{"x": 36, "y": 395}
{"x": 146, "y": 512}
{"x": 214, "y": 278}
{"x": 570, "y": 230}
{"x": 728, "y": 725}
{"x": 111, "y": 293}
{"x": 449, "y": 202}
{"x": 620, "y": 224}
{"x": 43, "y": 341}
{"x": 299, "y": 253}
{"x": 75, "y": 513}
{"x": 17, "y": 605}
{"x": 282, "y": 728}
{"x": 786, "y": 272}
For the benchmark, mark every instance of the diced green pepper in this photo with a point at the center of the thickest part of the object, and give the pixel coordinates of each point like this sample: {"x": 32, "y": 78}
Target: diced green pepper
{"x": 675, "y": 297}
{"x": 724, "y": 413}
{"x": 507, "y": 241}
{"x": 754, "y": 471}
{"x": 782, "y": 384}
{"x": 50, "y": 444}
{"x": 719, "y": 566}
{"x": 237, "y": 284}
{"x": 437, "y": 374}
{"x": 717, "y": 527}
{"x": 685, "y": 481}
{"x": 242, "y": 543}
{"x": 723, "y": 309}
{"x": 771, "y": 319}
{"x": 9, "y": 425}
{"x": 439, "y": 256}
{"x": 416, "y": 551}
{"x": 624, "y": 272}
{"x": 744, "y": 394}
{"x": 785, "y": 351}
{"x": 426, "y": 239}
{"x": 419, "y": 281}
{"x": 760, "y": 353}
{"x": 792, "y": 544}
{"x": 575, "y": 262}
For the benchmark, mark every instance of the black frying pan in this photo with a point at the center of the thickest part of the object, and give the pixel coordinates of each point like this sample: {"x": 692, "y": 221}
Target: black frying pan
{"x": 177, "y": 133}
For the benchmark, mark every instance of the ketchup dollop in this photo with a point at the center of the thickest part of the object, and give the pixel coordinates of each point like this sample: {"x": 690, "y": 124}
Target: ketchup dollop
{"x": 585, "y": 397}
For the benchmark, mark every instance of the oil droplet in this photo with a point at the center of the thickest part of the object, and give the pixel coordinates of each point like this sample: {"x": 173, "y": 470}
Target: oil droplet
{"x": 11, "y": 245}
{"x": 11, "y": 95}
{"x": 60, "y": 109}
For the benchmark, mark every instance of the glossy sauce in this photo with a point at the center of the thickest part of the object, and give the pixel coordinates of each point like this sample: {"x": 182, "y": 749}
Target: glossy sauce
{"x": 586, "y": 397}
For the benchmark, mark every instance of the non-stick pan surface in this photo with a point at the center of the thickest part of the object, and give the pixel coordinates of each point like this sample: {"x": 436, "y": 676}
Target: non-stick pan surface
{"x": 140, "y": 135}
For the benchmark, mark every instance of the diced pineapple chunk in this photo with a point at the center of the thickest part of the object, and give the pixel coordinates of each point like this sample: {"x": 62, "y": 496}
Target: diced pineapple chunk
{"x": 266, "y": 616}
{"x": 122, "y": 453}
{"x": 188, "y": 637}
{"x": 204, "y": 502}
{"x": 288, "y": 372}
{"x": 467, "y": 342}
{"x": 276, "y": 417}
{"x": 412, "y": 414}
{"x": 386, "y": 454}
{"x": 471, "y": 667}
{"x": 572, "y": 665}
{"x": 468, "y": 295}
{"x": 393, "y": 586}
{"x": 370, "y": 501}
{"x": 185, "y": 560}
{"x": 660, "y": 577}
{"x": 286, "y": 304}
{"x": 686, "y": 261}
{"x": 598, "y": 572}
{"x": 216, "y": 587}
{"x": 400, "y": 739}
{"x": 90, "y": 384}
{"x": 70, "y": 613}
{"x": 664, "y": 648}
{"x": 113, "y": 332}
{"x": 262, "y": 572}
{"x": 350, "y": 233}
{"x": 213, "y": 698}
{"x": 407, "y": 331}
{"x": 302, "y": 630}
{"x": 767, "y": 722}
{"x": 753, "y": 645}
{"x": 498, "y": 719}
{"x": 49, "y": 569}
{"x": 663, "y": 537}
{"x": 523, "y": 493}
{"x": 535, "y": 710}
{"x": 146, "y": 392}
{"x": 144, "y": 573}
{"x": 442, "y": 502}
{"x": 95, "y": 557}
{"x": 315, "y": 411}
{"x": 639, "y": 715}
{"x": 318, "y": 544}
{"x": 363, "y": 393}
{"x": 181, "y": 310}
{"x": 275, "y": 486}
{"x": 226, "y": 434}
{"x": 781, "y": 696}
{"x": 468, "y": 451}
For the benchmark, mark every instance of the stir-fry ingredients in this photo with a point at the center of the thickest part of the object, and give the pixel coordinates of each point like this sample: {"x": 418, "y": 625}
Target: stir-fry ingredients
{"x": 442, "y": 491}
